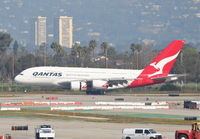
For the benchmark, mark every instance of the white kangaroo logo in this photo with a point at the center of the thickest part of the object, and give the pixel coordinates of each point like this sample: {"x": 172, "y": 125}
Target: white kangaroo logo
{"x": 160, "y": 65}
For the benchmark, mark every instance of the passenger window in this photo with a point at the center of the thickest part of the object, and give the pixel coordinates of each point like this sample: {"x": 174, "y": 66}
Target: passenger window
{"x": 138, "y": 131}
{"x": 146, "y": 132}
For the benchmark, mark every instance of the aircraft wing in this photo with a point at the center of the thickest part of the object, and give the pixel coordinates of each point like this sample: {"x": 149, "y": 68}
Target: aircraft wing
{"x": 110, "y": 81}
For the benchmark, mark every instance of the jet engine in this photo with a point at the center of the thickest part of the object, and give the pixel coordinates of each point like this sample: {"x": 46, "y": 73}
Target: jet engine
{"x": 97, "y": 84}
{"x": 76, "y": 85}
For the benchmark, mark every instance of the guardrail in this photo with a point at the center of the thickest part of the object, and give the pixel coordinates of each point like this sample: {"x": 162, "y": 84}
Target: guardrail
{"x": 132, "y": 103}
{"x": 40, "y": 103}
{"x": 10, "y": 109}
{"x": 109, "y": 107}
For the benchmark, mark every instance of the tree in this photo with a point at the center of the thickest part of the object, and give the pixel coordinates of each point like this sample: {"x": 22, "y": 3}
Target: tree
{"x": 25, "y": 62}
{"x": 60, "y": 53}
{"x": 126, "y": 60}
{"x": 132, "y": 47}
{"x": 58, "y": 49}
{"x": 136, "y": 48}
{"x": 15, "y": 48}
{"x": 43, "y": 53}
{"x": 112, "y": 56}
{"x": 15, "y": 51}
{"x": 5, "y": 40}
{"x": 191, "y": 62}
{"x": 92, "y": 46}
{"x": 79, "y": 54}
{"x": 74, "y": 53}
{"x": 112, "y": 52}
{"x": 188, "y": 63}
{"x": 104, "y": 46}
{"x": 85, "y": 55}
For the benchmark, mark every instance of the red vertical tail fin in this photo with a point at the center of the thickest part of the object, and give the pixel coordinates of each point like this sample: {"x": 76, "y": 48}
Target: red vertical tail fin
{"x": 162, "y": 64}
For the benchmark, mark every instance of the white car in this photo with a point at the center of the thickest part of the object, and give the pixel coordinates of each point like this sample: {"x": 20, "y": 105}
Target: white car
{"x": 44, "y": 132}
{"x": 140, "y": 133}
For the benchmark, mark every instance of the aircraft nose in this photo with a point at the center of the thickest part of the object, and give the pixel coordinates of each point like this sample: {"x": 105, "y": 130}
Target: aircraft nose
{"x": 17, "y": 79}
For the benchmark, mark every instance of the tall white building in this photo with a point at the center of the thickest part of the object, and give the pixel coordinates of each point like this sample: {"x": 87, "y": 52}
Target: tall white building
{"x": 40, "y": 31}
{"x": 65, "y": 31}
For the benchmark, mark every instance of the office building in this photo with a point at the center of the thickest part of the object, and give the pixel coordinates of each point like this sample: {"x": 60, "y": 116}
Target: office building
{"x": 65, "y": 31}
{"x": 40, "y": 31}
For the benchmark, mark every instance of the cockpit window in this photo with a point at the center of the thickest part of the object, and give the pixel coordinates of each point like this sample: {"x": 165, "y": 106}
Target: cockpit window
{"x": 21, "y": 74}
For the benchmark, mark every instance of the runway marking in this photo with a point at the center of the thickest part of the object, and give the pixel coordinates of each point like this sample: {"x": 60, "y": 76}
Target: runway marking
{"x": 82, "y": 117}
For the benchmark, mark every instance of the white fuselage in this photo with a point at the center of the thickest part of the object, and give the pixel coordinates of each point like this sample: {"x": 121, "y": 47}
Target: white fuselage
{"x": 55, "y": 75}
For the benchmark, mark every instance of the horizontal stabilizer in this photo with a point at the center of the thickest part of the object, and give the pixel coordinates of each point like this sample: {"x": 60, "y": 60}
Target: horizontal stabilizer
{"x": 170, "y": 77}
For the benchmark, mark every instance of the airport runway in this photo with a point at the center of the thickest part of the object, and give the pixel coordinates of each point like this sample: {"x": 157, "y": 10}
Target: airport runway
{"x": 74, "y": 129}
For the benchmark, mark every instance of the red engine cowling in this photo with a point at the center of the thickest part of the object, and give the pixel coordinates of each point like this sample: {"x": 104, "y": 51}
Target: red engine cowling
{"x": 97, "y": 84}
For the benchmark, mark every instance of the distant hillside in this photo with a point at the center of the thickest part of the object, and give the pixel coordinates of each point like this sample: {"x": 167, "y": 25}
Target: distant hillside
{"x": 120, "y": 22}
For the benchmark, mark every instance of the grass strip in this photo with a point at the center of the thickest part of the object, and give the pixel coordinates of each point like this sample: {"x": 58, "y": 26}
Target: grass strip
{"x": 63, "y": 115}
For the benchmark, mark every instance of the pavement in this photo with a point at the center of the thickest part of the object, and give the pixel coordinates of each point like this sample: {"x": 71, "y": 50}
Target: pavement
{"x": 82, "y": 130}
{"x": 74, "y": 129}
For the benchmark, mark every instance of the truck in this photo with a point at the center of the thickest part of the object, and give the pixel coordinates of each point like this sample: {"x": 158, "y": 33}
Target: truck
{"x": 140, "y": 133}
{"x": 44, "y": 132}
{"x": 194, "y": 133}
{"x": 6, "y": 136}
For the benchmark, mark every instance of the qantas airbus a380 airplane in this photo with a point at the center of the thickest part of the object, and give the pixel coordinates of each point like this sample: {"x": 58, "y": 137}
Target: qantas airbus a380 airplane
{"x": 98, "y": 80}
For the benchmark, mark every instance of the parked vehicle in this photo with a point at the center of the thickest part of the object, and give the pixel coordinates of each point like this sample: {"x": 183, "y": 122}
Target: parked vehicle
{"x": 44, "y": 132}
{"x": 140, "y": 133}
{"x": 6, "y": 136}
{"x": 194, "y": 133}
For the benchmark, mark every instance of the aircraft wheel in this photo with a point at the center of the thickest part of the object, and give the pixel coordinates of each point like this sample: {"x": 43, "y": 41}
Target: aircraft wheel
{"x": 102, "y": 92}
{"x": 96, "y": 92}
{"x": 183, "y": 137}
{"x": 88, "y": 92}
